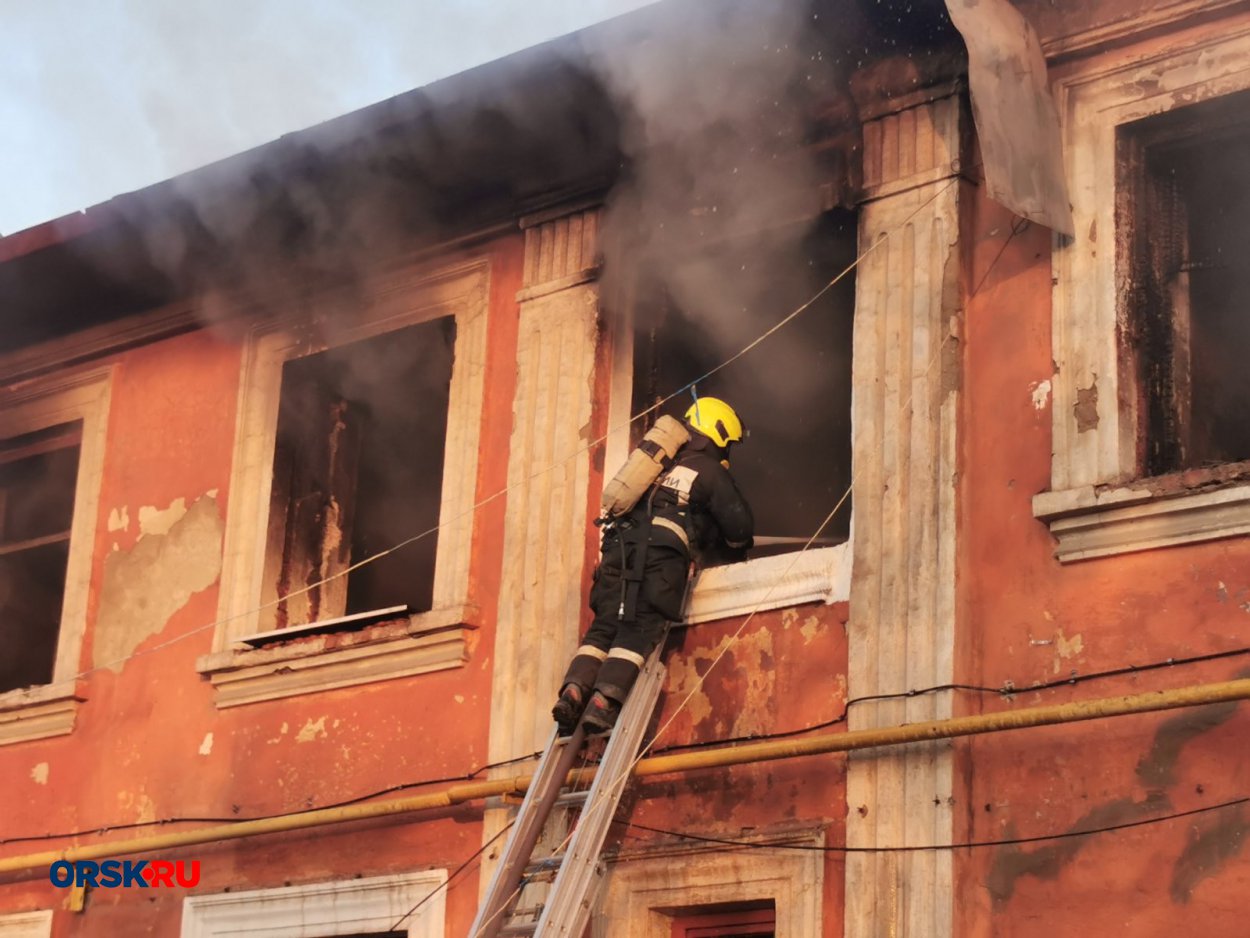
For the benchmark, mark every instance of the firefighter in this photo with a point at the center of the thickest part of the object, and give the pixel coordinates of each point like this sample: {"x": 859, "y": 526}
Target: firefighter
{"x": 693, "y": 512}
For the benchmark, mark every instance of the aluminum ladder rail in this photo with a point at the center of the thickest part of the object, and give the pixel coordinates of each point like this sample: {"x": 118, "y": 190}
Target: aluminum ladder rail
{"x": 566, "y": 910}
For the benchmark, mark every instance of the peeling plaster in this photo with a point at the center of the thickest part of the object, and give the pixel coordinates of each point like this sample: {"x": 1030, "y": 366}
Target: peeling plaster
{"x": 157, "y": 521}
{"x": 206, "y": 746}
{"x": 311, "y": 730}
{"x": 683, "y": 679}
{"x": 141, "y": 804}
{"x": 1085, "y": 410}
{"x": 810, "y": 629}
{"x": 40, "y": 773}
{"x": 143, "y": 587}
{"x": 750, "y": 662}
{"x": 1041, "y": 394}
{"x": 1066, "y": 648}
{"x": 119, "y": 520}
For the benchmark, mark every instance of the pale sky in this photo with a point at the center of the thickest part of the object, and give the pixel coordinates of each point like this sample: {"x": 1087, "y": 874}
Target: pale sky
{"x": 101, "y": 97}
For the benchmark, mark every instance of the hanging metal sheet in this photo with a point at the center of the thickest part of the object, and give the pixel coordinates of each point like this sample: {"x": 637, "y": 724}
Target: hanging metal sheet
{"x": 1017, "y": 124}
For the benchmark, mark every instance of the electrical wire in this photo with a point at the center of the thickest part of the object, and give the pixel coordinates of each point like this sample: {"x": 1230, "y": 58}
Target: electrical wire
{"x": 965, "y": 845}
{"x": 445, "y": 885}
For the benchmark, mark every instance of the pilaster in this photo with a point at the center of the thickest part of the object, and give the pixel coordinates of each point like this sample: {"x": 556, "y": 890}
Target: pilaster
{"x": 906, "y": 378}
{"x": 540, "y": 601}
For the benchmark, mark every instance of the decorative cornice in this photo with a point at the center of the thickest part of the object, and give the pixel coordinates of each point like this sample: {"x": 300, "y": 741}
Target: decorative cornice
{"x": 37, "y": 713}
{"x": 1088, "y": 523}
{"x": 1139, "y": 22}
{"x": 429, "y": 641}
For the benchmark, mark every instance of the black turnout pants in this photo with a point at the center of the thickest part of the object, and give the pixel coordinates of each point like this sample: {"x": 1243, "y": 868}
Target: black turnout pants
{"x": 614, "y": 649}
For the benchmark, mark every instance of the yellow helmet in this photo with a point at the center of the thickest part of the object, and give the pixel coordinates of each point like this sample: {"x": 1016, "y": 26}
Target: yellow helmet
{"x": 716, "y": 420}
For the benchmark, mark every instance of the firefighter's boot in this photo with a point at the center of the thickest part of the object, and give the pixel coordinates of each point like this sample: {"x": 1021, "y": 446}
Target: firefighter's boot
{"x": 569, "y": 707}
{"x": 600, "y": 714}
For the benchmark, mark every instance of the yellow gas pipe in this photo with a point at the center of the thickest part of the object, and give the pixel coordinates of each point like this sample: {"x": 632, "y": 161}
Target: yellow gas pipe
{"x": 660, "y": 765}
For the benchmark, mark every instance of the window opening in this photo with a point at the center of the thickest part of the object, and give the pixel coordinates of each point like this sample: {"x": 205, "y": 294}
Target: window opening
{"x": 793, "y": 391}
{"x": 1185, "y": 209}
{"x": 358, "y": 467}
{"x": 38, "y": 480}
{"x": 753, "y": 921}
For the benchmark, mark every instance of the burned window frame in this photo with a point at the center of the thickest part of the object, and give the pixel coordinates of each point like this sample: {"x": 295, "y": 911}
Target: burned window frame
{"x": 65, "y": 397}
{"x": 382, "y": 303}
{"x": 1156, "y": 263}
{"x": 326, "y": 456}
{"x": 777, "y": 581}
{"x": 1102, "y": 501}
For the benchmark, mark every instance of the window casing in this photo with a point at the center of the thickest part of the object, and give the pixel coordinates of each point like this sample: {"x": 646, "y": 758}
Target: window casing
{"x": 741, "y": 923}
{"x": 358, "y": 468}
{"x": 421, "y": 639}
{"x": 51, "y": 468}
{"x": 363, "y": 907}
{"x": 38, "y": 473}
{"x": 649, "y": 890}
{"x": 26, "y": 924}
{"x": 1184, "y": 178}
{"x": 1106, "y": 496}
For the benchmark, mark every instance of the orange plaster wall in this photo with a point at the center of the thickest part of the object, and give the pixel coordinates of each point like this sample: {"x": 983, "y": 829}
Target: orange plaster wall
{"x": 785, "y": 671}
{"x": 1025, "y": 618}
{"x": 142, "y": 747}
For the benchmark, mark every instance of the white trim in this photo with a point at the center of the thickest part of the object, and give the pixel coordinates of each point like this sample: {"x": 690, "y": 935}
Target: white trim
{"x": 321, "y": 909}
{"x": 901, "y": 628}
{"x": 26, "y": 924}
{"x": 389, "y": 303}
{"x": 1093, "y": 102}
{"x": 429, "y": 641}
{"x": 820, "y": 575}
{"x": 1123, "y": 520}
{"x": 646, "y": 889}
{"x": 81, "y": 395}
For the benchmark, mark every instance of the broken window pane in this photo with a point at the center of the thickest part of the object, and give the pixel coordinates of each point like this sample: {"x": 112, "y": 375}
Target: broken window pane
{"x": 1184, "y": 178}
{"x": 358, "y": 468}
{"x": 38, "y": 477}
{"x": 793, "y": 391}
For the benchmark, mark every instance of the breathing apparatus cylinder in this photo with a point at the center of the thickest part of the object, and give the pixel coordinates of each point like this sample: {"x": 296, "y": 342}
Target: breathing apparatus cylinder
{"x": 644, "y": 465}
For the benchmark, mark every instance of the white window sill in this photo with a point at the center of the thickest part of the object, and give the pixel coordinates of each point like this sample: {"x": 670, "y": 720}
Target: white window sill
{"x": 820, "y": 575}
{"x": 426, "y": 641}
{"x": 373, "y": 904}
{"x": 37, "y": 712}
{"x": 1093, "y": 521}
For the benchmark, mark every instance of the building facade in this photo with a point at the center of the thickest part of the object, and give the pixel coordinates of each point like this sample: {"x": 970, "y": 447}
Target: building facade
{"x": 300, "y": 456}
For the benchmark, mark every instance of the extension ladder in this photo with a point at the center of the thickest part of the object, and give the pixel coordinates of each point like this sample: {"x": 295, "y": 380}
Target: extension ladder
{"x": 508, "y": 907}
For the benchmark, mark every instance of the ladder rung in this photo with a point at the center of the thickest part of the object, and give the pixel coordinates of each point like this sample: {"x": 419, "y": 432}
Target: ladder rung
{"x": 527, "y": 929}
{"x": 527, "y": 911}
{"x": 572, "y": 798}
{"x": 544, "y": 864}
